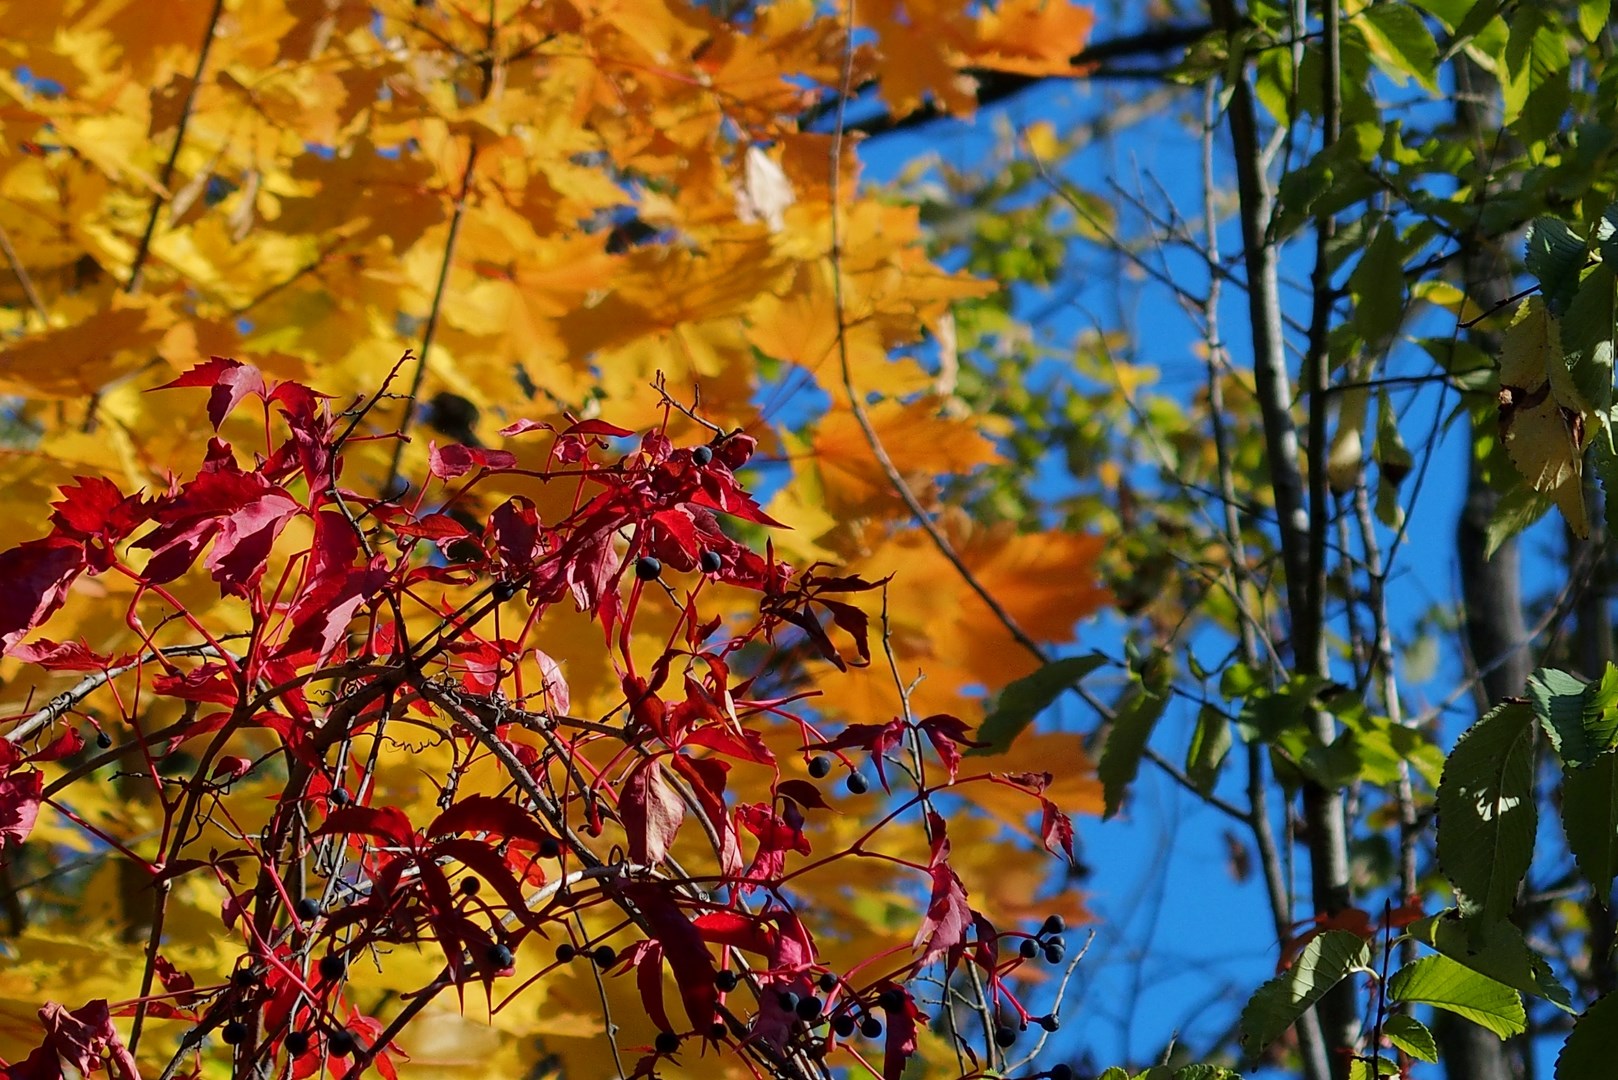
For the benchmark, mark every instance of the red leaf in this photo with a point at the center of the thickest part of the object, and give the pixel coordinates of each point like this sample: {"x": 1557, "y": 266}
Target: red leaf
{"x": 777, "y": 837}
{"x": 69, "y": 742}
{"x": 65, "y": 656}
{"x": 684, "y": 947}
{"x": 523, "y": 427}
{"x": 707, "y": 779}
{"x": 736, "y": 930}
{"x": 231, "y": 380}
{"x": 948, "y": 733}
{"x": 803, "y": 793}
{"x": 486, "y": 813}
{"x": 876, "y": 738}
{"x": 210, "y": 682}
{"x": 651, "y": 811}
{"x": 901, "y": 1037}
{"x": 34, "y": 579}
{"x": 384, "y": 822}
{"x": 432, "y": 527}
{"x": 453, "y": 461}
{"x": 598, "y": 427}
{"x": 84, "y": 1036}
{"x": 1056, "y": 830}
{"x": 19, "y": 806}
{"x": 94, "y": 507}
{"x": 647, "y": 958}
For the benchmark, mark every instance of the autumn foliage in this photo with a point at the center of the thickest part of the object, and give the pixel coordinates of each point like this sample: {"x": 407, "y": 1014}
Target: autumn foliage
{"x": 399, "y": 672}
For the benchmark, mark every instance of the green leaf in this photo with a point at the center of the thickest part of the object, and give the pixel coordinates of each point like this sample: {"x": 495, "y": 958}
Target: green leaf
{"x": 1378, "y": 285}
{"x": 1486, "y": 813}
{"x": 1126, "y": 742}
{"x": 1470, "y": 26}
{"x": 1517, "y": 509}
{"x": 1494, "y": 948}
{"x": 1607, "y": 235}
{"x": 1442, "y": 983}
{"x": 1587, "y": 335}
{"x": 1590, "y": 819}
{"x": 1411, "y": 1036}
{"x": 1592, "y": 1045}
{"x": 1370, "y": 1068}
{"x": 1593, "y": 16}
{"x": 1114, "y": 1073}
{"x": 1581, "y": 720}
{"x": 1324, "y": 962}
{"x": 1026, "y": 698}
{"x": 1205, "y": 1072}
{"x": 1400, "y": 43}
{"x": 1209, "y": 745}
{"x": 1554, "y": 254}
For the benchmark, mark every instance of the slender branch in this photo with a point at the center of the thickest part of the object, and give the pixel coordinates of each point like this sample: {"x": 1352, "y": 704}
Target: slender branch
{"x": 160, "y": 197}
{"x": 21, "y": 273}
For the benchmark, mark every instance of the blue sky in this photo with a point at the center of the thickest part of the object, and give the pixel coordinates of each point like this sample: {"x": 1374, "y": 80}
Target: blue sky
{"x": 1180, "y": 941}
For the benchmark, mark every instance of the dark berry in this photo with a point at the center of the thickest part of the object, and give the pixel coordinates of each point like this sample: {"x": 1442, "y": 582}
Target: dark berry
{"x": 820, "y": 766}
{"x": 565, "y": 952}
{"x": 843, "y": 1026}
{"x": 244, "y": 977}
{"x": 1054, "y": 924}
{"x": 604, "y": 956}
{"x": 500, "y": 956}
{"x": 667, "y": 1042}
{"x": 702, "y": 455}
{"x": 711, "y": 562}
{"x": 1049, "y": 1023}
{"x": 549, "y": 848}
{"x": 1028, "y": 949}
{"x": 648, "y": 568}
{"x": 307, "y": 908}
{"x": 717, "y": 1031}
{"x": 857, "y": 784}
{"x": 828, "y": 982}
{"x": 470, "y": 886}
{"x": 726, "y": 981}
{"x": 1054, "y": 952}
{"x": 339, "y": 796}
{"x": 789, "y": 1000}
{"x": 504, "y": 590}
{"x": 1004, "y": 1036}
{"x": 103, "y": 740}
{"x": 341, "y": 1044}
{"x": 871, "y": 1028}
{"x": 233, "y": 1032}
{"x": 808, "y": 1009}
{"x": 297, "y": 1043}
{"x": 1061, "y": 1071}
{"x": 891, "y": 999}
{"x": 332, "y": 967}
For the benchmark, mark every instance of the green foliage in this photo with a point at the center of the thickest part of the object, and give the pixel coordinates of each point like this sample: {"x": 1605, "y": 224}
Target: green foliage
{"x": 1486, "y": 811}
{"x": 1131, "y": 728}
{"x": 1493, "y": 948}
{"x": 1592, "y": 1046}
{"x": 1324, "y": 962}
{"x": 1411, "y": 1036}
{"x": 1444, "y": 984}
{"x": 1030, "y": 695}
